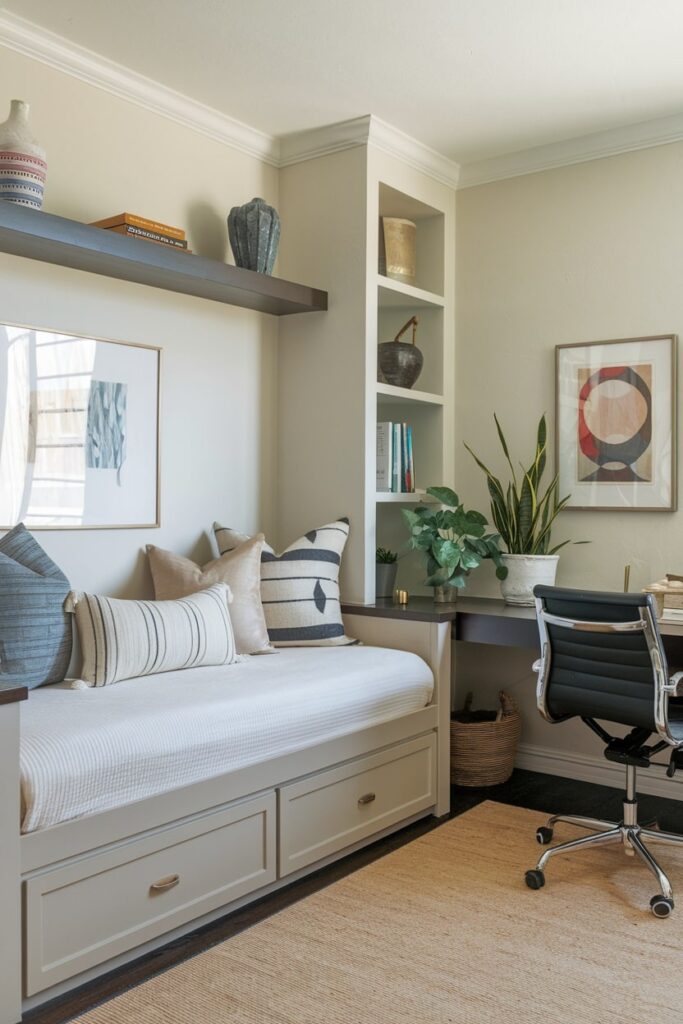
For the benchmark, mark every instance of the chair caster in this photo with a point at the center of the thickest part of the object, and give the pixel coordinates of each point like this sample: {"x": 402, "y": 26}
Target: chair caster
{"x": 544, "y": 835}
{"x": 660, "y": 906}
{"x": 535, "y": 879}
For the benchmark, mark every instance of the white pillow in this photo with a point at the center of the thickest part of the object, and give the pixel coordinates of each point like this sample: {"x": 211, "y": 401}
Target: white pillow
{"x": 300, "y": 586}
{"x": 124, "y": 639}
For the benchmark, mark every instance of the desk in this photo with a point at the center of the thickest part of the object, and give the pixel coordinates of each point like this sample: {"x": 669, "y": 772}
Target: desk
{"x": 485, "y": 620}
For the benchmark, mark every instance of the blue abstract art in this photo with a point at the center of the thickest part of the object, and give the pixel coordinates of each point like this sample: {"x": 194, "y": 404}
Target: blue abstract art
{"x": 106, "y": 435}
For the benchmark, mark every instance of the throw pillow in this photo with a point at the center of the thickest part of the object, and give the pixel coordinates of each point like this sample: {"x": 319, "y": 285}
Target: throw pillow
{"x": 35, "y": 631}
{"x": 300, "y": 586}
{"x": 124, "y": 639}
{"x": 175, "y": 576}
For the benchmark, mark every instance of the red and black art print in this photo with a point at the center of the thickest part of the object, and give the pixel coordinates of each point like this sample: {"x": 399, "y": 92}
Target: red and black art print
{"x": 616, "y": 423}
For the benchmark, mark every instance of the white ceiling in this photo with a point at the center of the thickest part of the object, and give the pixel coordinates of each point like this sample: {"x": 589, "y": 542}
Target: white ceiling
{"x": 472, "y": 79}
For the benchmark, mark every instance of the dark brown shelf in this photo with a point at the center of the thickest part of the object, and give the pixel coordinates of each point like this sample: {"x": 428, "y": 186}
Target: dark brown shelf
{"x": 50, "y": 239}
{"x": 10, "y": 693}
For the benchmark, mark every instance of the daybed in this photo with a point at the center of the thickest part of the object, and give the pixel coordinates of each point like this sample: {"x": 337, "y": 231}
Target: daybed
{"x": 151, "y": 806}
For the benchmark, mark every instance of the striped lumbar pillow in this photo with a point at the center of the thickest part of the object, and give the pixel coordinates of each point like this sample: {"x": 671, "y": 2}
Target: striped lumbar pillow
{"x": 300, "y": 586}
{"x": 35, "y": 631}
{"x": 124, "y": 639}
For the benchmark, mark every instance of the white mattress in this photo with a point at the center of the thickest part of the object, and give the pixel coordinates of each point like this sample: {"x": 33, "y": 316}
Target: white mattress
{"x": 87, "y": 750}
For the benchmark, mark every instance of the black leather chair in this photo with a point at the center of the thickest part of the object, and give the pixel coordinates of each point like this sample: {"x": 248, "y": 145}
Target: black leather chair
{"x": 602, "y": 659}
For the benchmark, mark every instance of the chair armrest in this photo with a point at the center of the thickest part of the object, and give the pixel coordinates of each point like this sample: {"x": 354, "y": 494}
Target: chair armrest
{"x": 674, "y": 682}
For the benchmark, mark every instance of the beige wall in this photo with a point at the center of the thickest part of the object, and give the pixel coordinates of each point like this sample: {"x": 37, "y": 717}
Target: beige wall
{"x": 582, "y": 253}
{"x": 106, "y": 155}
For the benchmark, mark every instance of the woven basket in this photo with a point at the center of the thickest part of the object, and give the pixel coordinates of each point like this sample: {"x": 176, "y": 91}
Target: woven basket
{"x": 484, "y": 743}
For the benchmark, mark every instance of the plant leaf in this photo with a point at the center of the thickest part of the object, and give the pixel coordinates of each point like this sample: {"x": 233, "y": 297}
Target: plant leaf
{"x": 445, "y": 495}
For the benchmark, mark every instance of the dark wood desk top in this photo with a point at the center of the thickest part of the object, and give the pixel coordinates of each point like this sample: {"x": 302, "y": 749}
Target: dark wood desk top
{"x": 486, "y": 620}
{"x": 10, "y": 693}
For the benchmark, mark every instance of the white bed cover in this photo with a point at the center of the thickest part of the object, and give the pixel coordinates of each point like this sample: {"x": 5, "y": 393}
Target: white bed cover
{"x": 88, "y": 750}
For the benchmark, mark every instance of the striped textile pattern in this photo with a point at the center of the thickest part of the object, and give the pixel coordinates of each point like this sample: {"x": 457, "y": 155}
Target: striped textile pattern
{"x": 35, "y": 631}
{"x": 125, "y": 639}
{"x": 300, "y": 586}
{"x": 22, "y": 178}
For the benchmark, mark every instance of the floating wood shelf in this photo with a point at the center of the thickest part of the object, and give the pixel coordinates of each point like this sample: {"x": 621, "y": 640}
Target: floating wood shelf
{"x": 50, "y": 239}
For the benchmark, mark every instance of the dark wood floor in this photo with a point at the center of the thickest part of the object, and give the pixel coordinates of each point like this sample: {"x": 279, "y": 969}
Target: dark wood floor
{"x": 545, "y": 793}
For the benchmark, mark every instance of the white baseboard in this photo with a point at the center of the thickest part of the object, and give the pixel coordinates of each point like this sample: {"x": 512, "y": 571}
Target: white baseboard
{"x": 594, "y": 768}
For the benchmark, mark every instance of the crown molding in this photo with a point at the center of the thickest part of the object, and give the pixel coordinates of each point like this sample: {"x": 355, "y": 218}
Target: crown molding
{"x": 33, "y": 41}
{"x": 627, "y": 139}
{"x": 363, "y": 131}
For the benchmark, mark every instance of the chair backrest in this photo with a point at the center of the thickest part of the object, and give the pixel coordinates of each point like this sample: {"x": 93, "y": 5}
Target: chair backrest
{"x": 608, "y": 668}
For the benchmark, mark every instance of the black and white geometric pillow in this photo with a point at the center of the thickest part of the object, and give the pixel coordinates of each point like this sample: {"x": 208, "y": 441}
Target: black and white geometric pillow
{"x": 300, "y": 586}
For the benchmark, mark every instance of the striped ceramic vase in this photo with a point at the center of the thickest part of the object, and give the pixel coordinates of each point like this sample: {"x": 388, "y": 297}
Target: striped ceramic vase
{"x": 22, "y": 161}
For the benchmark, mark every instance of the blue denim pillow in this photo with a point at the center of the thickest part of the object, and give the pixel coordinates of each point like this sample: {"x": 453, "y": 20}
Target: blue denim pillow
{"x": 35, "y": 631}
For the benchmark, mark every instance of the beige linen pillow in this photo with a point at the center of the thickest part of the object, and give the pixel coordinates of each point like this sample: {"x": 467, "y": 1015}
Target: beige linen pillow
{"x": 175, "y": 576}
{"x": 125, "y": 639}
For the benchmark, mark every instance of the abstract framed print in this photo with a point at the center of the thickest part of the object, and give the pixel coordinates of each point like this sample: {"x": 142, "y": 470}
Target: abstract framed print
{"x": 615, "y": 424}
{"x": 79, "y": 431}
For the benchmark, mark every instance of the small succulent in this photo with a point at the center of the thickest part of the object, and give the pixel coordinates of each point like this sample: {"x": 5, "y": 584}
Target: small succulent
{"x": 384, "y": 556}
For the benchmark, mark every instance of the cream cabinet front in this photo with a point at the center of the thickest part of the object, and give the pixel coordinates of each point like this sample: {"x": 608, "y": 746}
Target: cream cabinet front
{"x": 331, "y": 810}
{"x": 86, "y": 912}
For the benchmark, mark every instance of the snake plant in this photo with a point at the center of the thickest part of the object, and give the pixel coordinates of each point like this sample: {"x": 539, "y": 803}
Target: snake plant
{"x": 522, "y": 515}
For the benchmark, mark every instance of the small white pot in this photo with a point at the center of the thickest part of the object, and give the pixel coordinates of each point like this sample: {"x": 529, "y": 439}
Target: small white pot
{"x": 524, "y": 572}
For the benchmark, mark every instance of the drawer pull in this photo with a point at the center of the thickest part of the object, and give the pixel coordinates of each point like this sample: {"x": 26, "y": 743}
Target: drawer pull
{"x": 164, "y": 883}
{"x": 367, "y": 798}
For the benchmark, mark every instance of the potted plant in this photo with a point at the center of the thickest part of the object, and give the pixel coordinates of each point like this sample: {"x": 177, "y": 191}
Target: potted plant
{"x": 524, "y": 520}
{"x": 454, "y": 541}
{"x": 385, "y": 572}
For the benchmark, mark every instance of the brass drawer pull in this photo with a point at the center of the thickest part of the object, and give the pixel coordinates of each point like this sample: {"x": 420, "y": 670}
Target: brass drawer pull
{"x": 366, "y": 799}
{"x": 163, "y": 884}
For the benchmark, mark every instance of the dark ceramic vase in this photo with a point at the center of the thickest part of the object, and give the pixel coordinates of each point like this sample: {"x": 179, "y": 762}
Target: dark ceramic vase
{"x": 400, "y": 363}
{"x": 254, "y": 231}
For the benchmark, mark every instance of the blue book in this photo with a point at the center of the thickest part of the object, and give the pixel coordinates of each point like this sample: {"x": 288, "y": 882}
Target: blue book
{"x": 410, "y": 473}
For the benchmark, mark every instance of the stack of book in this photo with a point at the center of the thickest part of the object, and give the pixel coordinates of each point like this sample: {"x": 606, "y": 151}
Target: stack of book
{"x": 145, "y": 230}
{"x": 395, "y": 467}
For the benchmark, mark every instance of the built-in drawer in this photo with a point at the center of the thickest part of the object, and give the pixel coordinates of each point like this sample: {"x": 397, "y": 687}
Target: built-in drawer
{"x": 100, "y": 906}
{"x": 324, "y": 813}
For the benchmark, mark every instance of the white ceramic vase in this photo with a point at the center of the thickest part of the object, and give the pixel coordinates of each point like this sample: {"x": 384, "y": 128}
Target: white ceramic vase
{"x": 524, "y": 572}
{"x": 23, "y": 168}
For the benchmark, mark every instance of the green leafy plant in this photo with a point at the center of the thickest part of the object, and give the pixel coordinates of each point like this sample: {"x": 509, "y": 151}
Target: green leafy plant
{"x": 522, "y": 516}
{"x": 454, "y": 540}
{"x": 384, "y": 556}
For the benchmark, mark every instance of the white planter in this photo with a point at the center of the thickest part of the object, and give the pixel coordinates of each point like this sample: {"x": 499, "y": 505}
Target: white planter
{"x": 524, "y": 572}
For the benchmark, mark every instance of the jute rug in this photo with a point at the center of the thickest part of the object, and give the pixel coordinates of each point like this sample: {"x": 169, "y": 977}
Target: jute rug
{"x": 443, "y": 931}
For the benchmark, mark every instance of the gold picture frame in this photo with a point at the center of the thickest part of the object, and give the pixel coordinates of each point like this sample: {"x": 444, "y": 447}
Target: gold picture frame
{"x": 615, "y": 424}
{"x": 80, "y": 444}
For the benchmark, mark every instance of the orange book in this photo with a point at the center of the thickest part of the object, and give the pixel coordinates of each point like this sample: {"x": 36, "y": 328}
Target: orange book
{"x": 140, "y": 222}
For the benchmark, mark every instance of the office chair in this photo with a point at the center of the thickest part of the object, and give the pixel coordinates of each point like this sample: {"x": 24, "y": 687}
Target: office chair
{"x": 602, "y": 658}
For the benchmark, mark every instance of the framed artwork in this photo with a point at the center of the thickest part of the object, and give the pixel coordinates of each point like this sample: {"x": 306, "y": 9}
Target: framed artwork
{"x": 79, "y": 431}
{"x": 615, "y": 424}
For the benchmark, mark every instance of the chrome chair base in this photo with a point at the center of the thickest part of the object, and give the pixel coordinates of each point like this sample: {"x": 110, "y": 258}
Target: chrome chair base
{"x": 628, "y": 833}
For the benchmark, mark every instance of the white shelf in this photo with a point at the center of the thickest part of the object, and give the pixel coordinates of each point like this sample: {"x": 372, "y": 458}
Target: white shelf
{"x": 403, "y": 498}
{"x": 390, "y": 394}
{"x": 396, "y": 293}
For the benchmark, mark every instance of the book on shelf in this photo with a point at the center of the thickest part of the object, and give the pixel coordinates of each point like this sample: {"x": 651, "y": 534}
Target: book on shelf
{"x": 384, "y": 459}
{"x": 395, "y": 466}
{"x": 133, "y": 220}
{"x": 148, "y": 236}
